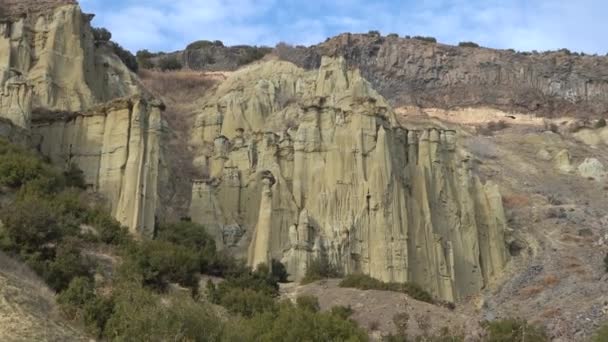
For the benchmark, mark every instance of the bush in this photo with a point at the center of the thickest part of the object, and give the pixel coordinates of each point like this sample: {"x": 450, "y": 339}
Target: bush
{"x": 170, "y": 63}
{"x": 204, "y": 44}
{"x": 74, "y": 177}
{"x": 307, "y": 302}
{"x": 19, "y": 166}
{"x": 342, "y": 311}
{"x": 468, "y": 44}
{"x": 291, "y": 323}
{"x": 246, "y": 302}
{"x": 143, "y": 59}
{"x": 80, "y": 303}
{"x": 601, "y": 335}
{"x": 251, "y": 54}
{"x": 67, "y": 265}
{"x": 425, "y": 39}
{"x": 101, "y": 34}
{"x": 513, "y": 330}
{"x": 140, "y": 315}
{"x": 160, "y": 263}
{"x": 364, "y": 282}
{"x": 79, "y": 292}
{"x": 601, "y": 123}
{"x": 192, "y": 236}
{"x": 109, "y": 230}
{"x": 126, "y": 57}
{"x": 279, "y": 272}
{"x": 320, "y": 269}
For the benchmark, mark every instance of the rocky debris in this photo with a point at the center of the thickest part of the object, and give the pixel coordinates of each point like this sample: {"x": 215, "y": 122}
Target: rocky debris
{"x": 421, "y": 73}
{"x": 543, "y": 154}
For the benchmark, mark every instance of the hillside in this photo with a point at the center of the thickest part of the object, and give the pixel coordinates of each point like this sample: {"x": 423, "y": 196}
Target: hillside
{"x": 461, "y": 191}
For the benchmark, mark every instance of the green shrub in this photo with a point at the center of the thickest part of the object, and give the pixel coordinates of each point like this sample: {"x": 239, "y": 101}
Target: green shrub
{"x": 79, "y": 292}
{"x": 80, "y": 303}
{"x": 170, "y": 63}
{"x": 425, "y": 39}
{"x": 513, "y": 330}
{"x": 364, "y": 282}
{"x": 19, "y": 166}
{"x": 110, "y": 231}
{"x": 601, "y": 335}
{"x": 251, "y": 54}
{"x": 143, "y": 59}
{"x": 319, "y": 269}
{"x": 307, "y": 302}
{"x": 246, "y": 302}
{"x": 28, "y": 231}
{"x": 342, "y": 311}
{"x": 74, "y": 177}
{"x": 601, "y": 123}
{"x": 125, "y": 56}
{"x": 192, "y": 236}
{"x": 290, "y": 323}
{"x": 96, "y": 313}
{"x": 161, "y": 262}
{"x": 279, "y": 272}
{"x": 468, "y": 44}
{"x": 101, "y": 34}
{"x": 140, "y": 315}
{"x": 68, "y": 264}
{"x": 204, "y": 44}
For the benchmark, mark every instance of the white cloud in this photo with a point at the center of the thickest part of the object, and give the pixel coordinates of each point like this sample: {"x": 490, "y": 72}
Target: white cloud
{"x": 520, "y": 24}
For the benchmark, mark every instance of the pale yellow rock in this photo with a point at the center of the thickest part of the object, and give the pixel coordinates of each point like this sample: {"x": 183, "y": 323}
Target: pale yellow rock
{"x": 118, "y": 148}
{"x": 593, "y": 137}
{"x": 562, "y": 162}
{"x": 67, "y": 88}
{"x": 543, "y": 154}
{"x": 348, "y": 183}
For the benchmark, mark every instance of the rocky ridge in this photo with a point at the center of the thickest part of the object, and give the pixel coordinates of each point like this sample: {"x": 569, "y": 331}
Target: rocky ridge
{"x": 416, "y": 72}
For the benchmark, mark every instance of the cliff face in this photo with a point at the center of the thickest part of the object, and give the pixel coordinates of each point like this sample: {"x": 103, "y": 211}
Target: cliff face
{"x": 415, "y": 72}
{"x": 79, "y": 104}
{"x": 306, "y": 165}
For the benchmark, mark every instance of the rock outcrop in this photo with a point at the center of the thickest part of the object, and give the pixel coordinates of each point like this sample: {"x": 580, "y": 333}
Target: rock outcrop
{"x": 76, "y": 101}
{"x": 313, "y": 164}
{"x": 421, "y": 73}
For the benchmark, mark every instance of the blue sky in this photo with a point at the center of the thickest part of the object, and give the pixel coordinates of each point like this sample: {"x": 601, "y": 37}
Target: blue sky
{"x": 166, "y": 25}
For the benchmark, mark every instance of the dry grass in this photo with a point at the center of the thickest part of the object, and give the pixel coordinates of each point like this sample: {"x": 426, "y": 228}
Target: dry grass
{"x": 515, "y": 201}
{"x": 550, "y": 280}
{"x": 551, "y": 313}
{"x": 179, "y": 85}
{"x": 531, "y": 291}
{"x": 15, "y": 269}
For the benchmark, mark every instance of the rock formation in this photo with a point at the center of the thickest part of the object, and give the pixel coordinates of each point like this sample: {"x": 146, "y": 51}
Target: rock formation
{"x": 421, "y": 73}
{"x": 313, "y": 164}
{"x": 75, "y": 100}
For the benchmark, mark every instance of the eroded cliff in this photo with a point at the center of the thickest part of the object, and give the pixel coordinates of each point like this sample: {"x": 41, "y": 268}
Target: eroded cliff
{"x": 313, "y": 164}
{"x": 76, "y": 101}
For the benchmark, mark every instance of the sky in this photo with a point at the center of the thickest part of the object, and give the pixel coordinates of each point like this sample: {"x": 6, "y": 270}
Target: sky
{"x": 525, "y": 25}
